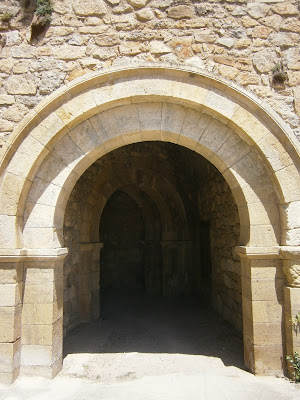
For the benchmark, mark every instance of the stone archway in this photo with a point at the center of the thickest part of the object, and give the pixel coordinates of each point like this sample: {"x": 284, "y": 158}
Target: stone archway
{"x": 251, "y": 147}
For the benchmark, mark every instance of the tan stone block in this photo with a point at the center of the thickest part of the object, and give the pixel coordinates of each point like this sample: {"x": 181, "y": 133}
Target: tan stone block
{"x": 89, "y": 7}
{"x": 47, "y": 293}
{"x": 49, "y": 130}
{"x": 173, "y": 116}
{"x": 247, "y": 330}
{"x": 268, "y": 359}
{"x": 10, "y": 356}
{"x": 43, "y": 272}
{"x": 261, "y": 32}
{"x": 85, "y": 136}
{"x": 41, "y": 355}
{"x": 291, "y": 301}
{"x": 247, "y": 122}
{"x": 77, "y": 110}
{"x": 150, "y": 135}
{"x": 42, "y": 313}
{"x": 42, "y": 334}
{"x": 10, "y": 323}
{"x": 289, "y": 183}
{"x": 169, "y": 137}
{"x": 10, "y": 294}
{"x": 247, "y": 305}
{"x": 267, "y": 333}
{"x": 228, "y": 71}
{"x": 10, "y": 232}
{"x": 7, "y": 378}
{"x": 39, "y": 215}
{"x": 131, "y": 48}
{"x": 264, "y": 235}
{"x": 14, "y": 189}
{"x": 267, "y": 290}
{"x": 149, "y": 116}
{"x": 11, "y": 272}
{"x": 232, "y": 150}
{"x": 35, "y": 238}
{"x": 30, "y": 152}
{"x": 43, "y": 371}
{"x": 214, "y": 135}
{"x": 221, "y": 104}
{"x": 127, "y": 118}
{"x": 22, "y": 84}
{"x": 67, "y": 152}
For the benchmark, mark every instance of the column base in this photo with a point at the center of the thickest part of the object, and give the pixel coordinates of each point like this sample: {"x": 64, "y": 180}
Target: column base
{"x": 7, "y": 378}
{"x": 44, "y": 371}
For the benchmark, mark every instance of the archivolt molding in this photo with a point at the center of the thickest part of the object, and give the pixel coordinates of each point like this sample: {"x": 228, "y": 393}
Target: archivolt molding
{"x": 64, "y": 135}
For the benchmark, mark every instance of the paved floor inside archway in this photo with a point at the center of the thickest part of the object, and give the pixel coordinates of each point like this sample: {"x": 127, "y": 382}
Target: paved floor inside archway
{"x": 149, "y": 349}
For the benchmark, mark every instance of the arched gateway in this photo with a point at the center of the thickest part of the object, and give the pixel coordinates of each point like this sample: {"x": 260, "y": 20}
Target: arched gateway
{"x": 248, "y": 143}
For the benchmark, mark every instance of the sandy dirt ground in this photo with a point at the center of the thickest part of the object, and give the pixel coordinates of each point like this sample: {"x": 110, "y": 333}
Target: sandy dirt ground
{"x": 147, "y": 349}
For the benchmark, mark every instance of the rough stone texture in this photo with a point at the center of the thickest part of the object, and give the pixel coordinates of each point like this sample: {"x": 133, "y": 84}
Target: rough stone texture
{"x": 93, "y": 35}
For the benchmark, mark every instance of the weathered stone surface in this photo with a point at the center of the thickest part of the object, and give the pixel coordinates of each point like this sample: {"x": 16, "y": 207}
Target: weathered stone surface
{"x": 205, "y": 36}
{"x": 291, "y": 24}
{"x": 180, "y": 12}
{"x": 247, "y": 78}
{"x": 12, "y": 38}
{"x": 159, "y": 47}
{"x": 283, "y": 39}
{"x": 264, "y": 60}
{"x": 145, "y": 15}
{"x": 261, "y": 32}
{"x": 6, "y": 99}
{"x": 16, "y": 112}
{"x": 138, "y": 3}
{"x": 285, "y": 9}
{"x": 296, "y": 91}
{"x": 107, "y": 39}
{"x": 89, "y": 7}
{"x": 6, "y": 126}
{"x": 6, "y": 65}
{"x": 227, "y": 71}
{"x": 182, "y": 46}
{"x": 273, "y": 21}
{"x": 131, "y": 48}
{"x": 23, "y": 84}
{"x": 104, "y": 54}
{"x": 69, "y": 52}
{"x": 256, "y": 10}
{"x": 51, "y": 81}
{"x": 226, "y": 41}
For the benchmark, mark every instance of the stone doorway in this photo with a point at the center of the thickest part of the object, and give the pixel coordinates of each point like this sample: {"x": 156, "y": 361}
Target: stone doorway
{"x": 168, "y": 226}
{"x": 53, "y": 148}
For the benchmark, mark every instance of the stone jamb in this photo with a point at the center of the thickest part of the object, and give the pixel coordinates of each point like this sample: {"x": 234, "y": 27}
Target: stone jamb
{"x": 89, "y": 292}
{"x": 31, "y": 283}
{"x": 291, "y": 267}
{"x": 262, "y": 302}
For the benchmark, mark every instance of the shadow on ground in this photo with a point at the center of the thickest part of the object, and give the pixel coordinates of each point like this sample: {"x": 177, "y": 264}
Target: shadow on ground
{"x": 147, "y": 324}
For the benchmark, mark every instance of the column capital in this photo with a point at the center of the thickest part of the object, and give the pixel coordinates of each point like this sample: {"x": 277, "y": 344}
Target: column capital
{"x": 17, "y": 255}
{"x": 258, "y": 252}
{"x": 291, "y": 265}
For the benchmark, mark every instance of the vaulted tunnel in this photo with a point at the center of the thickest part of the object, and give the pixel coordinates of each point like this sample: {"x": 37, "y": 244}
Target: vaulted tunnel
{"x": 164, "y": 223}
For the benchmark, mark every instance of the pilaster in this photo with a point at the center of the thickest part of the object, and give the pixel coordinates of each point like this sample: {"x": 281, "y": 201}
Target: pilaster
{"x": 291, "y": 267}
{"x": 262, "y": 301}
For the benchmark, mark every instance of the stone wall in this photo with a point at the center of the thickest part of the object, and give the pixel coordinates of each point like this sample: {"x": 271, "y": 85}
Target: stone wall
{"x": 240, "y": 40}
{"x": 216, "y": 204}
